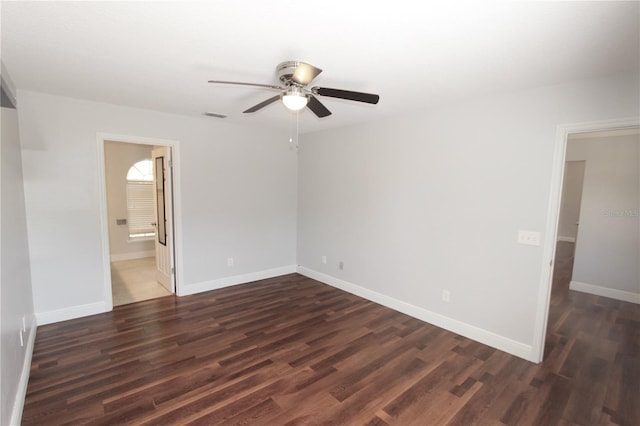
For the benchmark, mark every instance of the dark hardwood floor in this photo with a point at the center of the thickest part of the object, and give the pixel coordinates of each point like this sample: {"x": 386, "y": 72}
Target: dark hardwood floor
{"x": 291, "y": 351}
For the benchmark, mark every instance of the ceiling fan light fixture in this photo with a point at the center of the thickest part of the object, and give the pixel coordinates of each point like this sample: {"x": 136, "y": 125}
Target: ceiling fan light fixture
{"x": 294, "y": 99}
{"x": 295, "y": 92}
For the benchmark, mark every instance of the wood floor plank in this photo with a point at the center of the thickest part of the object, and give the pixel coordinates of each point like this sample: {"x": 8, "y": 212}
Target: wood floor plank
{"x": 290, "y": 350}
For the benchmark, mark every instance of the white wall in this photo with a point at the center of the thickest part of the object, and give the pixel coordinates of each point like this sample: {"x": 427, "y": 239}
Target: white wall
{"x": 412, "y": 205}
{"x": 119, "y": 157}
{"x": 434, "y": 200}
{"x": 571, "y": 198}
{"x": 607, "y": 250}
{"x": 15, "y": 280}
{"x": 238, "y": 192}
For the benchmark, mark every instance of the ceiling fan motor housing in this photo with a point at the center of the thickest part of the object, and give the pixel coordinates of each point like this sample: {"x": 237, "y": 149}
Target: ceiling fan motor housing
{"x": 285, "y": 72}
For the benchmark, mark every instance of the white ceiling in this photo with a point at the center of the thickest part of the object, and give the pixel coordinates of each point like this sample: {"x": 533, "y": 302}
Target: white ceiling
{"x": 414, "y": 54}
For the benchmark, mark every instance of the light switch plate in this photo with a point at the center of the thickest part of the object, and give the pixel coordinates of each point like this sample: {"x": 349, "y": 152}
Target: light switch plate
{"x": 531, "y": 238}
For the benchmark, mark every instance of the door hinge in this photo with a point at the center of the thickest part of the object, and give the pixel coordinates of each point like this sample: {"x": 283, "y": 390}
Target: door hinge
{"x": 170, "y": 163}
{"x": 173, "y": 271}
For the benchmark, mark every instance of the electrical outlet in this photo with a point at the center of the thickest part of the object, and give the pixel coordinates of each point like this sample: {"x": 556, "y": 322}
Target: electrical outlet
{"x": 324, "y": 260}
{"x": 531, "y": 238}
{"x": 230, "y": 262}
{"x": 341, "y": 265}
{"x": 446, "y": 296}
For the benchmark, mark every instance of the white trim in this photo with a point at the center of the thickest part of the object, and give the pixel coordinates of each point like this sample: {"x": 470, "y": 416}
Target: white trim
{"x": 612, "y": 293}
{"x": 567, "y": 239}
{"x": 553, "y": 215}
{"x": 467, "y": 330}
{"x": 236, "y": 279}
{"x": 177, "y": 207}
{"x": 104, "y": 225}
{"x": 21, "y": 393}
{"x": 117, "y": 257}
{"x": 605, "y": 134}
{"x": 72, "y": 312}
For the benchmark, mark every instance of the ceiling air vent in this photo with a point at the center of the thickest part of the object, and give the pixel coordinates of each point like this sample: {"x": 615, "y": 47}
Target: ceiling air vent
{"x": 215, "y": 114}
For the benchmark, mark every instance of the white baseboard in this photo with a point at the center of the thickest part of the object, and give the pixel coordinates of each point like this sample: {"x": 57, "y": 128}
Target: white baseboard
{"x": 185, "y": 290}
{"x": 467, "y": 330}
{"x": 117, "y": 257}
{"x": 612, "y": 293}
{"x": 18, "y": 405}
{"x": 71, "y": 313}
{"x": 567, "y": 239}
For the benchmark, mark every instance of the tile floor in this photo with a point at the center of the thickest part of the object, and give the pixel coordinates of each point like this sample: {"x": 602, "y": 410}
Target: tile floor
{"x": 134, "y": 281}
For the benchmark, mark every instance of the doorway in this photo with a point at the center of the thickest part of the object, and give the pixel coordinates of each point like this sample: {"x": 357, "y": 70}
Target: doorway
{"x": 138, "y": 218}
{"x": 550, "y": 268}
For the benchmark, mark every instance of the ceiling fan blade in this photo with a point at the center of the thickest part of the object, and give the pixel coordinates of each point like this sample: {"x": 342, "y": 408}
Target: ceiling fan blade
{"x": 346, "y": 94}
{"x": 262, "y": 104}
{"x": 316, "y": 106}
{"x": 305, "y": 73}
{"x": 239, "y": 83}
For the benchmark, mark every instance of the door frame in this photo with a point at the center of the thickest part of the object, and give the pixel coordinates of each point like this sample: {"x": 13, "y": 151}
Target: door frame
{"x": 553, "y": 216}
{"x": 104, "y": 221}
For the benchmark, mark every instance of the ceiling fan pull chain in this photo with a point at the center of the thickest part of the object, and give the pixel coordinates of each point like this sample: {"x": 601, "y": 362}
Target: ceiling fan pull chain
{"x": 297, "y": 130}
{"x": 294, "y": 119}
{"x": 291, "y": 133}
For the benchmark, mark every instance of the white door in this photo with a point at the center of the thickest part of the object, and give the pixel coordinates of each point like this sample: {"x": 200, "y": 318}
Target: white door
{"x": 163, "y": 197}
{"x": 571, "y": 200}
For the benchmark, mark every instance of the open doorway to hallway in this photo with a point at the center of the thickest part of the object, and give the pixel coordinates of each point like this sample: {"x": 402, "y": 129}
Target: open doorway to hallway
{"x": 596, "y": 279}
{"x": 135, "y": 201}
{"x": 599, "y": 221}
{"x": 547, "y": 314}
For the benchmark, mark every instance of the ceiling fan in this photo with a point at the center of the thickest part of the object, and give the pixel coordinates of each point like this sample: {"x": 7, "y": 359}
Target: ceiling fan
{"x": 295, "y": 77}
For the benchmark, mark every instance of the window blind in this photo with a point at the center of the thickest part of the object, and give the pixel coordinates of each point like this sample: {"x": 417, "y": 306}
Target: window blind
{"x": 140, "y": 207}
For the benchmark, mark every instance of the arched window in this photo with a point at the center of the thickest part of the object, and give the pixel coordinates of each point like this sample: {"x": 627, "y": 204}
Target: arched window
{"x": 140, "y": 205}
